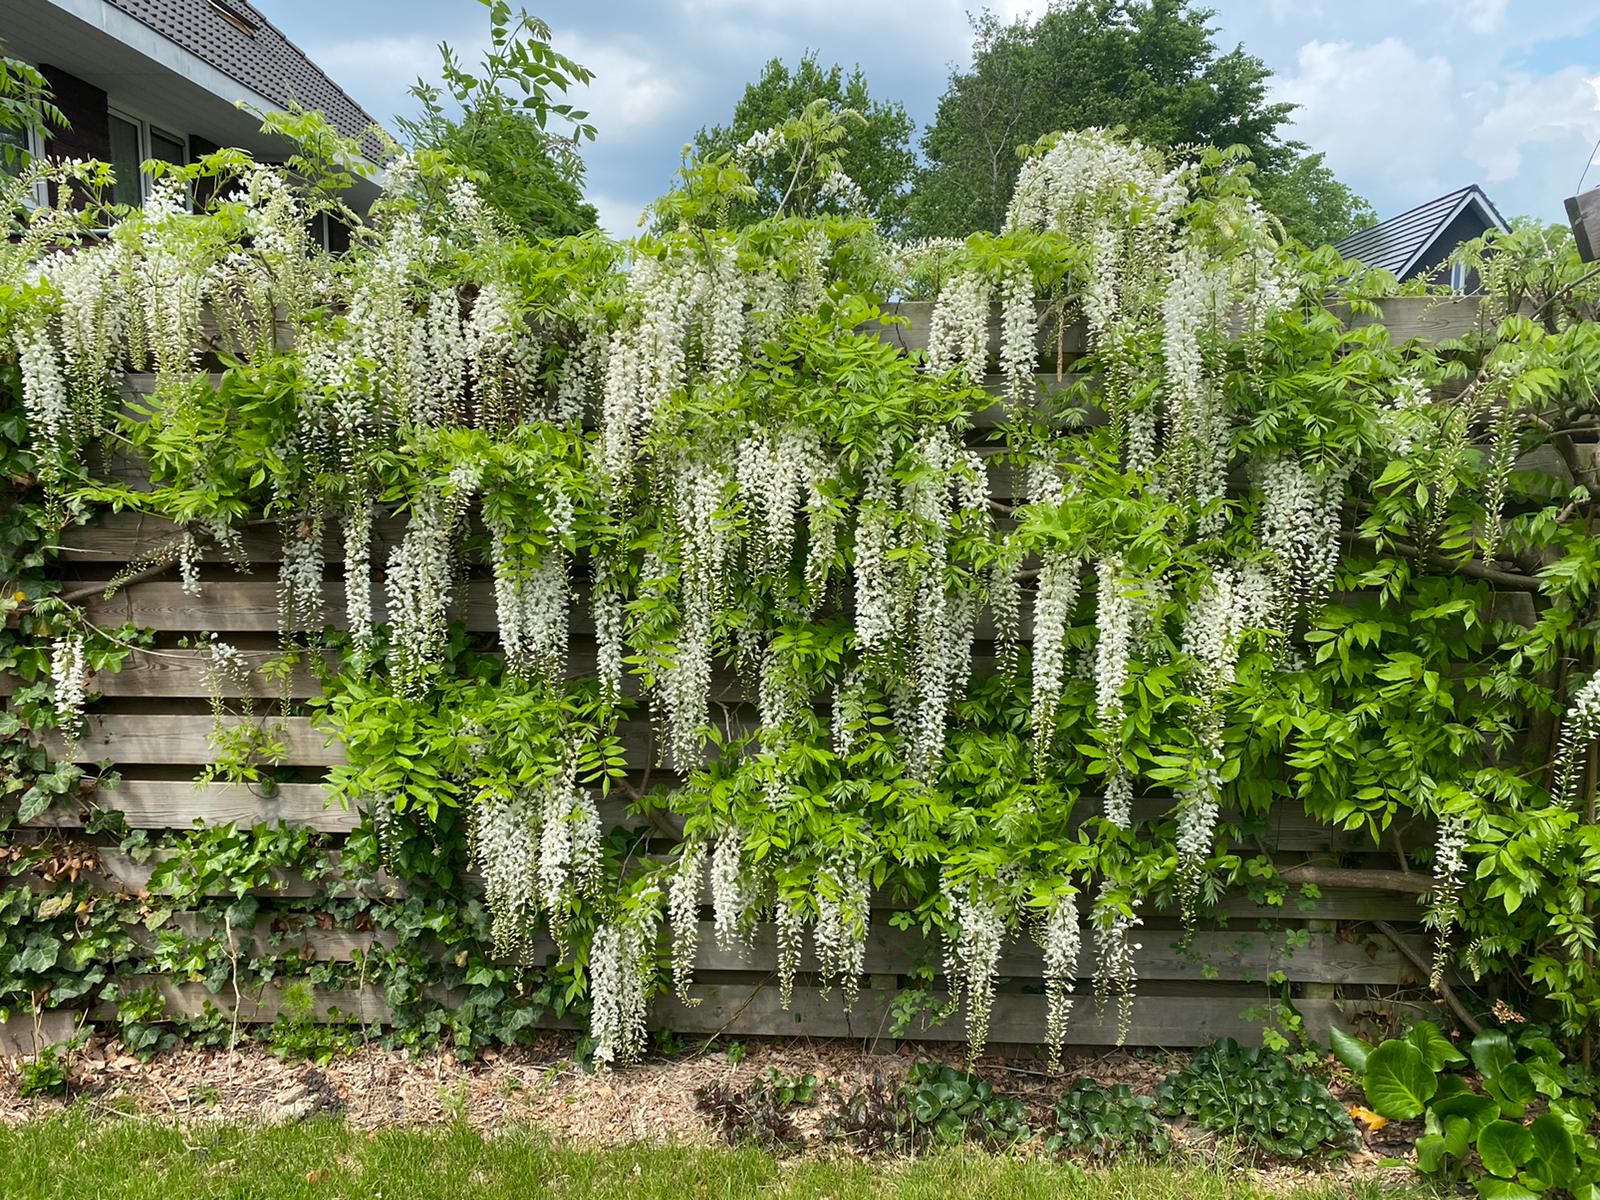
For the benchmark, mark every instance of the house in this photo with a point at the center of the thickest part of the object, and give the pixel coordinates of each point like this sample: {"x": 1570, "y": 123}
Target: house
{"x": 1418, "y": 243}
{"x": 143, "y": 79}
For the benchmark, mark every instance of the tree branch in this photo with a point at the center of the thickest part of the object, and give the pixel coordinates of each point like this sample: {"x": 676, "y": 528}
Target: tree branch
{"x": 1361, "y": 879}
{"x": 1446, "y": 993}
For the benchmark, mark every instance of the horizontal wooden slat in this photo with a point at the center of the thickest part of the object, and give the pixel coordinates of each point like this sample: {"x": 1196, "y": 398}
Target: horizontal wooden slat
{"x": 1332, "y": 904}
{"x": 187, "y": 738}
{"x": 753, "y": 1010}
{"x": 174, "y": 804}
{"x": 1252, "y": 957}
{"x": 164, "y": 804}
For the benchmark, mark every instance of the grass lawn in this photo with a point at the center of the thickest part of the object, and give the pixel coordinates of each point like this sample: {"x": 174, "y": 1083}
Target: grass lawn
{"x": 77, "y": 1157}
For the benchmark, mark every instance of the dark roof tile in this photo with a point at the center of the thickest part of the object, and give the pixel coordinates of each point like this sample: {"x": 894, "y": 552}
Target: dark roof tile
{"x": 261, "y": 59}
{"x": 1396, "y": 244}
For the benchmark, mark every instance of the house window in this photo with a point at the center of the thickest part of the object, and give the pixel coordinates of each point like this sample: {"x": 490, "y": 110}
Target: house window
{"x": 233, "y": 17}
{"x": 1458, "y": 277}
{"x": 133, "y": 142}
{"x": 17, "y": 146}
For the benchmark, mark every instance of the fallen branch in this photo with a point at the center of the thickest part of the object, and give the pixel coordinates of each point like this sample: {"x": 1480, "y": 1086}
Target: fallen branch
{"x": 1446, "y": 993}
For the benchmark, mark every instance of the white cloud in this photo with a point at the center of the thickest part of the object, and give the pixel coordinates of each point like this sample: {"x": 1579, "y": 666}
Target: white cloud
{"x": 618, "y": 217}
{"x": 1481, "y": 16}
{"x": 1382, "y": 112}
{"x": 1531, "y": 111}
{"x": 631, "y": 94}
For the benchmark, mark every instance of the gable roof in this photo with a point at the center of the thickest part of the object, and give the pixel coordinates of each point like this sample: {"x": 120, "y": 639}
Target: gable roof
{"x": 1397, "y": 244}
{"x": 236, "y": 39}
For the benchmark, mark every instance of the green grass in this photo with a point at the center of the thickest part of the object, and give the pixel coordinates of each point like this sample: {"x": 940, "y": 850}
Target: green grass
{"x": 77, "y": 1157}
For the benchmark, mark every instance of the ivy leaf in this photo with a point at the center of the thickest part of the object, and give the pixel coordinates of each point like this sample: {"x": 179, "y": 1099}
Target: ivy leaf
{"x": 39, "y": 956}
{"x": 34, "y": 801}
{"x": 1399, "y": 1083}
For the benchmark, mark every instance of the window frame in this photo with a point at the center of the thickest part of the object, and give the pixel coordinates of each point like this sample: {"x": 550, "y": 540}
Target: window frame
{"x": 145, "y": 125}
{"x": 33, "y": 147}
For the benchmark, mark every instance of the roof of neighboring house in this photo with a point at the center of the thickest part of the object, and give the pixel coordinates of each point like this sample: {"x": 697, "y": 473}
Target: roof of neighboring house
{"x": 233, "y": 37}
{"x": 1397, "y": 244}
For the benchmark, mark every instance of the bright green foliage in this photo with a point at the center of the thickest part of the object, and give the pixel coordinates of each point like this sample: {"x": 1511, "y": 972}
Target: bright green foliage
{"x": 949, "y": 1107}
{"x": 497, "y": 125}
{"x": 26, "y": 106}
{"x": 1485, "y": 1135}
{"x": 875, "y": 152}
{"x": 1259, "y": 1097}
{"x": 80, "y": 1153}
{"x": 1150, "y": 68}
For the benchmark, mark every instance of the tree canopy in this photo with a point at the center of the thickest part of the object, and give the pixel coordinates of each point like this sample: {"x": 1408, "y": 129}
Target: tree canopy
{"x": 1150, "y": 67}
{"x": 874, "y": 152}
{"x": 532, "y": 175}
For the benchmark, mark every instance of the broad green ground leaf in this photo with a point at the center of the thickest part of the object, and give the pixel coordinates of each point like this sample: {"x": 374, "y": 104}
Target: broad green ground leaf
{"x": 1504, "y": 1146}
{"x": 1491, "y": 1188}
{"x": 1492, "y": 1053}
{"x": 1553, "y": 1154}
{"x": 1478, "y": 1111}
{"x": 1349, "y": 1049}
{"x": 1437, "y": 1050}
{"x": 1398, "y": 1081}
{"x": 1513, "y": 1088}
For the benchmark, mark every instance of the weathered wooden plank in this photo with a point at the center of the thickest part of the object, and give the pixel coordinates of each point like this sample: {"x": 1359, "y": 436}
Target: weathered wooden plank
{"x": 753, "y": 1010}
{"x": 121, "y": 537}
{"x": 1430, "y": 318}
{"x": 251, "y": 606}
{"x": 173, "y": 804}
{"x": 122, "y": 871}
{"x": 1251, "y": 958}
{"x": 187, "y": 738}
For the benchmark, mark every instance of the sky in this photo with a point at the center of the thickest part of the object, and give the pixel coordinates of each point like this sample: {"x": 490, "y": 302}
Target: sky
{"x": 1408, "y": 98}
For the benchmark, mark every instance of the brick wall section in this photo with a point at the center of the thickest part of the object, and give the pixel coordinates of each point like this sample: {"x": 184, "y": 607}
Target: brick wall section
{"x": 84, "y": 105}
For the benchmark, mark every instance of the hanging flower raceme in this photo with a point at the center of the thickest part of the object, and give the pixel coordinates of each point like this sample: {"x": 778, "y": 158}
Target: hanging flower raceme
{"x": 958, "y": 336}
{"x": 840, "y": 936}
{"x": 972, "y": 958}
{"x": 683, "y": 913}
{"x": 1449, "y": 867}
{"x": 69, "y": 672}
{"x": 1114, "y": 922}
{"x": 1053, "y": 606}
{"x": 1060, "y": 937}
{"x": 419, "y": 581}
{"x": 621, "y": 968}
{"x": 1300, "y": 526}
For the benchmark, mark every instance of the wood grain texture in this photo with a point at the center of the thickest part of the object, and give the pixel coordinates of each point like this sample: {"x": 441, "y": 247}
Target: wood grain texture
{"x": 1249, "y": 957}
{"x": 753, "y": 1010}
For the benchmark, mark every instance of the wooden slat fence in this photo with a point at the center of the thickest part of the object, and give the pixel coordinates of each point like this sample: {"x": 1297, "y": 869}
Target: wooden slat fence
{"x": 152, "y": 724}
